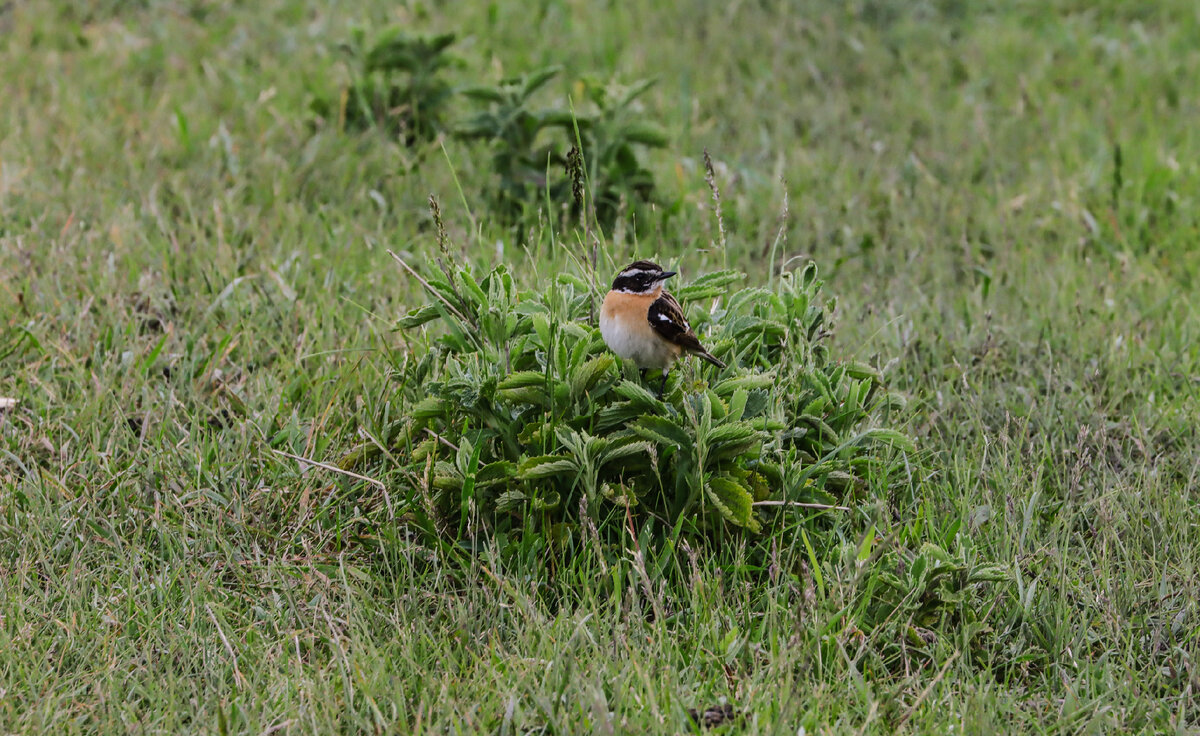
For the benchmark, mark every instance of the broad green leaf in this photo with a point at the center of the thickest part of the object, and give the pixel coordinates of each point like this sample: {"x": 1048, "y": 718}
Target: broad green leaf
{"x": 510, "y": 500}
{"x": 547, "y": 502}
{"x": 733, "y": 440}
{"x": 569, "y": 279}
{"x": 471, "y": 288}
{"x": 587, "y": 375}
{"x": 732, "y": 499}
{"x": 661, "y": 429}
{"x": 534, "y": 81}
{"x": 749, "y": 381}
{"x": 737, "y": 404}
{"x": 483, "y": 93}
{"x": 709, "y": 285}
{"x": 575, "y": 330}
{"x": 447, "y": 482}
{"x": 419, "y": 316}
{"x": 886, "y": 437}
{"x": 716, "y": 407}
{"x": 523, "y": 379}
{"x": 424, "y": 449}
{"x": 637, "y": 394}
{"x": 620, "y": 494}
{"x": 862, "y": 370}
{"x": 535, "y": 395}
{"x": 546, "y": 466}
{"x": 541, "y": 326}
{"x": 499, "y": 470}
{"x": 427, "y": 408}
{"x": 731, "y": 432}
{"x": 647, "y": 134}
{"x": 615, "y": 415}
{"x": 564, "y": 119}
{"x": 988, "y": 573}
{"x": 815, "y": 407}
{"x": 627, "y": 449}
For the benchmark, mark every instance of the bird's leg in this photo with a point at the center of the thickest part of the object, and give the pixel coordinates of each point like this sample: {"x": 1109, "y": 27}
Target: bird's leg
{"x": 662, "y": 387}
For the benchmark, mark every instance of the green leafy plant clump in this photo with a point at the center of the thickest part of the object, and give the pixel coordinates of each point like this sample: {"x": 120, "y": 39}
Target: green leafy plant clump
{"x": 397, "y": 85}
{"x": 607, "y": 133}
{"x": 519, "y": 418}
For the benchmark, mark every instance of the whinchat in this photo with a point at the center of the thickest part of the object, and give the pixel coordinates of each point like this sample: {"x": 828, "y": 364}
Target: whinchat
{"x": 642, "y": 322}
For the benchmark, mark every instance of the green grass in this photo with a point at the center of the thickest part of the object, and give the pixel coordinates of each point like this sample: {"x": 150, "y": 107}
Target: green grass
{"x": 191, "y": 276}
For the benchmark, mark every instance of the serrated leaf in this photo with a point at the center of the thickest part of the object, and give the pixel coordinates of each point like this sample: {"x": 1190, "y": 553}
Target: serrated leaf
{"x": 662, "y": 430}
{"x": 637, "y": 394}
{"x": 731, "y": 432}
{"x": 588, "y": 374}
{"x": 535, "y": 395}
{"x": 733, "y": 440}
{"x": 862, "y": 370}
{"x": 817, "y": 423}
{"x": 471, "y": 288}
{"x": 733, "y": 500}
{"x": 546, "y": 466}
{"x": 523, "y": 379}
{"x": 988, "y": 573}
{"x": 424, "y": 449}
{"x": 620, "y": 495}
{"x": 748, "y": 382}
{"x": 496, "y": 471}
{"x": 716, "y": 407}
{"x": 548, "y": 502}
{"x": 427, "y": 408}
{"x": 709, "y": 285}
{"x": 616, "y": 414}
{"x": 887, "y": 437}
{"x": 575, "y": 330}
{"x": 737, "y": 404}
{"x": 570, "y": 279}
{"x": 418, "y": 317}
{"x": 626, "y": 450}
{"x": 510, "y": 500}
{"x": 447, "y": 482}
{"x": 766, "y": 424}
{"x": 541, "y": 326}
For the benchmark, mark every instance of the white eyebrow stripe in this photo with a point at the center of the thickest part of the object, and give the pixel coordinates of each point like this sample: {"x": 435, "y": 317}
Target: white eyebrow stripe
{"x": 636, "y": 272}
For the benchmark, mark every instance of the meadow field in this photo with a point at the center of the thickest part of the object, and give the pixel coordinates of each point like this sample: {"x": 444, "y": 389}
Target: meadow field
{"x": 198, "y": 297}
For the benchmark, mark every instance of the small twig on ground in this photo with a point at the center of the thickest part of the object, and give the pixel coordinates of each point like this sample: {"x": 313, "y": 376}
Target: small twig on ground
{"x": 332, "y": 468}
{"x": 801, "y": 505}
{"x": 442, "y": 439}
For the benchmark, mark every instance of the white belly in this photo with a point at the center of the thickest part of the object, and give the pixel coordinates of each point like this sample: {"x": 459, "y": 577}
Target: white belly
{"x": 637, "y": 343}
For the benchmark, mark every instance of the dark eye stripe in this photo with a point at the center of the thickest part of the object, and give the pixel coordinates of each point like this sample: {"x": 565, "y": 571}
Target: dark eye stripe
{"x": 634, "y": 282}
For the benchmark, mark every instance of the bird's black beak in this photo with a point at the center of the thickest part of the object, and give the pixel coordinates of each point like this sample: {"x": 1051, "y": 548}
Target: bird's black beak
{"x": 665, "y": 275}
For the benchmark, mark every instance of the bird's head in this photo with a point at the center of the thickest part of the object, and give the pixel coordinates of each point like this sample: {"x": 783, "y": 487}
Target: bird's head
{"x": 641, "y": 277}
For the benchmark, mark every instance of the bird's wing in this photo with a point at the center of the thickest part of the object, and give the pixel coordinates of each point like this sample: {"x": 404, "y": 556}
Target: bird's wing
{"x": 666, "y": 317}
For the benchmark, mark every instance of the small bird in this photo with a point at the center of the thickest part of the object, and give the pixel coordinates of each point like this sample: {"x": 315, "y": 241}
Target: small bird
{"x": 641, "y": 321}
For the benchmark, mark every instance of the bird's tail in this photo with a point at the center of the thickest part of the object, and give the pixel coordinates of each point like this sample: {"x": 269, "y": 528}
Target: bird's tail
{"x": 705, "y": 355}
